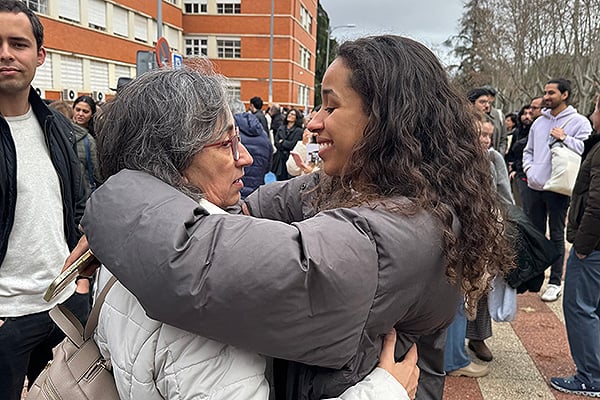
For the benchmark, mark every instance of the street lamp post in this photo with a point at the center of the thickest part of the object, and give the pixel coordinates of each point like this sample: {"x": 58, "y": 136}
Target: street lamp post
{"x": 330, "y": 29}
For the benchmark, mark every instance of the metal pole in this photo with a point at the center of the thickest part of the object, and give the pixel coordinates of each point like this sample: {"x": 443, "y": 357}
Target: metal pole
{"x": 271, "y": 52}
{"x": 158, "y": 19}
{"x": 327, "y": 52}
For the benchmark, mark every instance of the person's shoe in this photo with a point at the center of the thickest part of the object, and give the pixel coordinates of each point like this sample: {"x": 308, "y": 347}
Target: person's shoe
{"x": 552, "y": 293}
{"x": 574, "y": 385}
{"x": 472, "y": 370}
{"x": 481, "y": 350}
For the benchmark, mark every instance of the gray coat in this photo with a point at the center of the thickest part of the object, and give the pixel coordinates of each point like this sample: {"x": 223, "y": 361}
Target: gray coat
{"x": 320, "y": 291}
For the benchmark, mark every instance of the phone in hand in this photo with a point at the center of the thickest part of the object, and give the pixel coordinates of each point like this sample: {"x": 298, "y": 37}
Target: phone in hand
{"x": 68, "y": 275}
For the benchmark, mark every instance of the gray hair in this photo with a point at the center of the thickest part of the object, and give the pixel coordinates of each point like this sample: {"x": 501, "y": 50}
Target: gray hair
{"x": 160, "y": 120}
{"x": 236, "y": 106}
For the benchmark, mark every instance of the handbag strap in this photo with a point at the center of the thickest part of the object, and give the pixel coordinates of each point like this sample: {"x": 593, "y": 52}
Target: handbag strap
{"x": 70, "y": 324}
{"x": 92, "y": 321}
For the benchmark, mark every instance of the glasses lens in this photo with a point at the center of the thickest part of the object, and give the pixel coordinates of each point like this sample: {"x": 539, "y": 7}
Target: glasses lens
{"x": 235, "y": 148}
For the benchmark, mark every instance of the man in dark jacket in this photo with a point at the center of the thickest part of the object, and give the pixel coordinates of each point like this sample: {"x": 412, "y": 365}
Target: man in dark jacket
{"x": 258, "y": 144}
{"x": 41, "y": 198}
{"x": 256, "y": 105}
{"x": 581, "y": 304}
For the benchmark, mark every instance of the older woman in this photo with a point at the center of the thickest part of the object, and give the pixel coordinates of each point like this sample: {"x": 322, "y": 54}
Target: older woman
{"x": 398, "y": 223}
{"x": 195, "y": 149}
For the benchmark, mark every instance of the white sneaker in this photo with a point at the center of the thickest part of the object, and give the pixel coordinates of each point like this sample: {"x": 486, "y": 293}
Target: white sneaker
{"x": 552, "y": 293}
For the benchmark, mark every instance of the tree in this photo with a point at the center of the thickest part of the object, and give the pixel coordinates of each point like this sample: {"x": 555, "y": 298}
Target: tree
{"x": 518, "y": 45}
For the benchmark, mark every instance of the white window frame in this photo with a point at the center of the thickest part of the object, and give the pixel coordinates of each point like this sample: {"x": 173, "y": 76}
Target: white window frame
{"x": 69, "y": 10}
{"x": 120, "y": 21}
{"x": 196, "y": 46}
{"x": 305, "y": 18}
{"x": 141, "y": 28}
{"x": 304, "y": 58}
{"x": 234, "y": 90}
{"x": 195, "y": 6}
{"x": 229, "y": 46}
{"x": 40, "y": 6}
{"x": 303, "y": 95}
{"x": 229, "y": 7}
{"x": 99, "y": 76}
{"x": 97, "y": 14}
{"x": 71, "y": 72}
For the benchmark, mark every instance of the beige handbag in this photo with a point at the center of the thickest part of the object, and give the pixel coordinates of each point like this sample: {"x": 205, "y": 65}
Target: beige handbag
{"x": 77, "y": 370}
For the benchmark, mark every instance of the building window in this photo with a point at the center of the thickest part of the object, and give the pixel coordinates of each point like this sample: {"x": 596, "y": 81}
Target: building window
{"x": 233, "y": 90}
{"x": 40, "y": 6}
{"x": 196, "y": 6}
{"x": 304, "y": 58}
{"x": 97, "y": 14}
{"x": 120, "y": 21}
{"x": 172, "y": 1}
{"x": 305, "y": 18}
{"x": 69, "y": 10}
{"x": 141, "y": 28}
{"x": 228, "y": 7}
{"x": 228, "y": 48}
{"x": 196, "y": 46}
{"x": 303, "y": 93}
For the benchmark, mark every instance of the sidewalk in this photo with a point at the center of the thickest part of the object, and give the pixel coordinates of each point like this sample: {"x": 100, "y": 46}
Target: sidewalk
{"x": 527, "y": 353}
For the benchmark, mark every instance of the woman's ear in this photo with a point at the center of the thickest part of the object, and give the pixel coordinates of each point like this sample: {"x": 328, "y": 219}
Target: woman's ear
{"x": 185, "y": 179}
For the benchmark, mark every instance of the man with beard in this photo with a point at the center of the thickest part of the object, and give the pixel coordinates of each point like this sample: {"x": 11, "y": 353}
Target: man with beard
{"x": 514, "y": 157}
{"x": 559, "y": 122}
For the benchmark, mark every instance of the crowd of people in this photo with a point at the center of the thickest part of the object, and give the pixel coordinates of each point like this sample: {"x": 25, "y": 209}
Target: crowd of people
{"x": 360, "y": 278}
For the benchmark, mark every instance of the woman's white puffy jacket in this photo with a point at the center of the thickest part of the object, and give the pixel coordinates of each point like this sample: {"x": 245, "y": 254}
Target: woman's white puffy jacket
{"x": 153, "y": 360}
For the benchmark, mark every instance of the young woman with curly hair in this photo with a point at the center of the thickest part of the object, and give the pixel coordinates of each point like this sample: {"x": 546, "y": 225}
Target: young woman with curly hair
{"x": 393, "y": 232}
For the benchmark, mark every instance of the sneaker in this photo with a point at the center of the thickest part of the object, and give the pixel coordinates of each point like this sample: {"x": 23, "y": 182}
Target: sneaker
{"x": 574, "y": 385}
{"x": 472, "y": 370}
{"x": 552, "y": 293}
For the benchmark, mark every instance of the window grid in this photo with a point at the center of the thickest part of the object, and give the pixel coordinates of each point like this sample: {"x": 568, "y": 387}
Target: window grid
{"x": 40, "y": 6}
{"x": 227, "y": 8}
{"x": 196, "y": 47}
{"x": 196, "y": 6}
{"x": 228, "y": 48}
{"x": 304, "y": 58}
{"x": 305, "y": 18}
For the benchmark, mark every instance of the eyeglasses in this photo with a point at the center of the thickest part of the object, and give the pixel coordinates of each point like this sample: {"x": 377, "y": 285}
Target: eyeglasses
{"x": 232, "y": 142}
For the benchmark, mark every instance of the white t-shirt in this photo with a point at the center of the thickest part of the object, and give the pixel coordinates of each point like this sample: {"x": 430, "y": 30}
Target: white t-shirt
{"x": 37, "y": 247}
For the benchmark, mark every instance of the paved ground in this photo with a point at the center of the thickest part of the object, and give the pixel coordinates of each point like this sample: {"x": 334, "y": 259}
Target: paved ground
{"x": 527, "y": 352}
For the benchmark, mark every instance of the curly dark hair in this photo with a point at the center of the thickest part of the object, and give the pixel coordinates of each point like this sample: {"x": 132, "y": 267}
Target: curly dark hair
{"x": 421, "y": 142}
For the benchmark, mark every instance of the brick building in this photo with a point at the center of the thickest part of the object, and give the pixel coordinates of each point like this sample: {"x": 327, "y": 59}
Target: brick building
{"x": 91, "y": 43}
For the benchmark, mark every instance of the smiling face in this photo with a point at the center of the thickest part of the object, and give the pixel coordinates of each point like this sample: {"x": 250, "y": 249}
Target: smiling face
{"x": 19, "y": 56}
{"x": 553, "y": 98}
{"x": 340, "y": 123}
{"x": 82, "y": 113}
{"x": 216, "y": 173}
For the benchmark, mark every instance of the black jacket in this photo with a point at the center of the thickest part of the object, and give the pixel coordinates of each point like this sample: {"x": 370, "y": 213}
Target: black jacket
{"x": 583, "y": 229}
{"x": 60, "y": 140}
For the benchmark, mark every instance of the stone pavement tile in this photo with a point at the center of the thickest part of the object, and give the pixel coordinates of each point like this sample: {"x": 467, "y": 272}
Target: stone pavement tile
{"x": 514, "y": 389}
{"x": 544, "y": 336}
{"x": 462, "y": 388}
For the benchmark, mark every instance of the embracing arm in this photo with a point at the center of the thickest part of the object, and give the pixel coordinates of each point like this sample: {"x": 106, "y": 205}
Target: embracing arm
{"x": 256, "y": 284}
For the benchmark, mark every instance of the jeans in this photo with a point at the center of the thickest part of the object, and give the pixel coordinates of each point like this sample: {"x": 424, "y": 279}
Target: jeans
{"x": 26, "y": 345}
{"x": 455, "y": 356}
{"x": 552, "y": 207}
{"x": 581, "y": 306}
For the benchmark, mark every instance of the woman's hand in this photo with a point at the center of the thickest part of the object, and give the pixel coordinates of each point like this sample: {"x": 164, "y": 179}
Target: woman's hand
{"x": 87, "y": 269}
{"x": 406, "y": 372}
